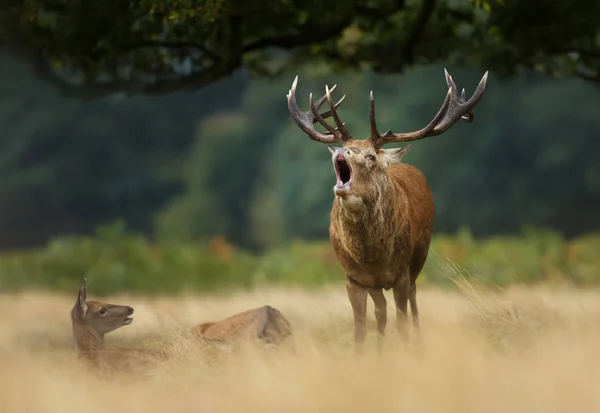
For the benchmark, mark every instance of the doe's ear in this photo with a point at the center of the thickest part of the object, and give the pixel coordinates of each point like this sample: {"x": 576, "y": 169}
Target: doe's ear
{"x": 81, "y": 304}
{"x": 395, "y": 155}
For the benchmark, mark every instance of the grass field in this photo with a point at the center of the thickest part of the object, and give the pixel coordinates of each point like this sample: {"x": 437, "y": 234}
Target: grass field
{"x": 517, "y": 350}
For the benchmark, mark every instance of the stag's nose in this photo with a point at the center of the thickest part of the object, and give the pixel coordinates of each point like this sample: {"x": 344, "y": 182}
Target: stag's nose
{"x": 340, "y": 152}
{"x": 130, "y": 310}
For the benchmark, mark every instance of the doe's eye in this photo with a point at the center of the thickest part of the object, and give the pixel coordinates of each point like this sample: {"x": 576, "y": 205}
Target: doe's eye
{"x": 370, "y": 157}
{"x": 102, "y": 311}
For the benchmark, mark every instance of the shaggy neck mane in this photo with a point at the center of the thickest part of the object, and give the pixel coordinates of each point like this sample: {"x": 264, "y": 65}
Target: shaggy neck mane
{"x": 374, "y": 208}
{"x": 365, "y": 225}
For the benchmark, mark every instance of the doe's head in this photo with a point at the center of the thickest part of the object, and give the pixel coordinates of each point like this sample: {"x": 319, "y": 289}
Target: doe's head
{"x": 360, "y": 163}
{"x": 99, "y": 316}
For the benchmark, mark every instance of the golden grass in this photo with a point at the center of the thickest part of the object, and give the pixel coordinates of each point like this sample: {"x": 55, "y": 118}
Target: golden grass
{"x": 521, "y": 350}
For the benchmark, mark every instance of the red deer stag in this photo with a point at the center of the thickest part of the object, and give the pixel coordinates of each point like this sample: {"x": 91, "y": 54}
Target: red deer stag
{"x": 383, "y": 212}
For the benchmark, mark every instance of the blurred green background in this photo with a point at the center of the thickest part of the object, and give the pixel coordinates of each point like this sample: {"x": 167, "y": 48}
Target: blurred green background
{"x": 203, "y": 182}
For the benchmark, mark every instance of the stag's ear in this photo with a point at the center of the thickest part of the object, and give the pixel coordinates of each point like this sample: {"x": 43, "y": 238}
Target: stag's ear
{"x": 331, "y": 149}
{"x": 394, "y": 155}
{"x": 81, "y": 304}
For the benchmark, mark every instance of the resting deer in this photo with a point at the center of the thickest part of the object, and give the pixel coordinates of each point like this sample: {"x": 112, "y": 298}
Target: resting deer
{"x": 383, "y": 213}
{"x": 265, "y": 324}
{"x": 92, "y": 320}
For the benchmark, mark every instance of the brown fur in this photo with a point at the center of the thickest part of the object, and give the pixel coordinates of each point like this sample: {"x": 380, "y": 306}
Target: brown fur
{"x": 383, "y": 214}
{"x": 92, "y": 320}
{"x": 265, "y": 324}
{"x": 380, "y": 231}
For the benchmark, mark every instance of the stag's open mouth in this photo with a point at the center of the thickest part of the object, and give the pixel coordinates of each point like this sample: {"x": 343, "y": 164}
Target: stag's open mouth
{"x": 343, "y": 172}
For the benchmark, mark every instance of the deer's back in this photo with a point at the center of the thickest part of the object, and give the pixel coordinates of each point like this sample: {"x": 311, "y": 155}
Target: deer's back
{"x": 264, "y": 323}
{"x": 414, "y": 186}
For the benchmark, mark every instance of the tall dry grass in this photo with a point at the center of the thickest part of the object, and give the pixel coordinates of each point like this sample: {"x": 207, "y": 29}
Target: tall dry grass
{"x": 520, "y": 350}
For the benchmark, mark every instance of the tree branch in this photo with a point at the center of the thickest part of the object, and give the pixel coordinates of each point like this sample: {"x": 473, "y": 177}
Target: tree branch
{"x": 585, "y": 52}
{"x": 222, "y": 66}
{"x": 377, "y": 13}
{"x": 90, "y": 91}
{"x": 307, "y": 34}
{"x": 588, "y": 78}
{"x": 425, "y": 12}
{"x": 591, "y": 54}
{"x": 170, "y": 45}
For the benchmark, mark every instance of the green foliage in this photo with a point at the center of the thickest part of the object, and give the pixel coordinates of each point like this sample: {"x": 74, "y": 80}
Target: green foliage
{"x": 303, "y": 264}
{"x": 115, "y": 261}
{"x": 517, "y": 35}
{"x": 229, "y": 161}
{"x": 158, "y": 46}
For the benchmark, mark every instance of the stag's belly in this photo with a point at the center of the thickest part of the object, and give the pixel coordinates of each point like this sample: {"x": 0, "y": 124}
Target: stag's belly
{"x": 385, "y": 280}
{"x": 374, "y": 263}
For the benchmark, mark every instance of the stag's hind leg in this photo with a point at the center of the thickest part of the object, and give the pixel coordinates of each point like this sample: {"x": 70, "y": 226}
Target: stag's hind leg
{"x": 358, "y": 300}
{"x": 414, "y": 311}
{"x": 380, "y": 315}
{"x": 417, "y": 263}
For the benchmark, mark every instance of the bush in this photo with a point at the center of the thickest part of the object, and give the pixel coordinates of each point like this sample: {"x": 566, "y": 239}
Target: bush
{"x": 119, "y": 262}
{"x": 116, "y": 261}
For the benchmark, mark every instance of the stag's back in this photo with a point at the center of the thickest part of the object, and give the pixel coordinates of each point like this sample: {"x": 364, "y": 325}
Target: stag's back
{"x": 419, "y": 200}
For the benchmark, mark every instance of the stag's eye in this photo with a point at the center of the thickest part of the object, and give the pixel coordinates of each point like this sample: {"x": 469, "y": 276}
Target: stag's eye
{"x": 370, "y": 158}
{"x": 102, "y": 311}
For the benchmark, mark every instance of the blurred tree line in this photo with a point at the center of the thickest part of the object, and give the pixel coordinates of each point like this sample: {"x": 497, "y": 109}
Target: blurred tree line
{"x": 221, "y": 156}
{"x": 227, "y": 159}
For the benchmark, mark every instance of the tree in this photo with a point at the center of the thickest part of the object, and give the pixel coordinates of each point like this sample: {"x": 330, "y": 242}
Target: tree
{"x": 93, "y": 48}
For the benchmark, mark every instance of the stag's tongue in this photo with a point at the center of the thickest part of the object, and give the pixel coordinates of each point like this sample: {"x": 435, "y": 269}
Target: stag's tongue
{"x": 340, "y": 183}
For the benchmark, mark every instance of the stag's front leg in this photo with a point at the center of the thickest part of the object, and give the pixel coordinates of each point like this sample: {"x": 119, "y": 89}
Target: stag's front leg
{"x": 401, "y": 295}
{"x": 358, "y": 301}
{"x": 380, "y": 315}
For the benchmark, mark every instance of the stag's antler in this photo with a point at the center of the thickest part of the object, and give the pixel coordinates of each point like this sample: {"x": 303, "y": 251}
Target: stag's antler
{"x": 453, "y": 109}
{"x": 306, "y": 120}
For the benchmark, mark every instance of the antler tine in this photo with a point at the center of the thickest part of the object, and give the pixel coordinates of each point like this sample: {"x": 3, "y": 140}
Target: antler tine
{"x": 390, "y": 137}
{"x": 306, "y": 120}
{"x": 453, "y": 108}
{"x": 374, "y": 131}
{"x": 469, "y": 116}
{"x": 318, "y": 117}
{"x": 458, "y": 108}
{"x": 340, "y": 125}
{"x": 322, "y": 100}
